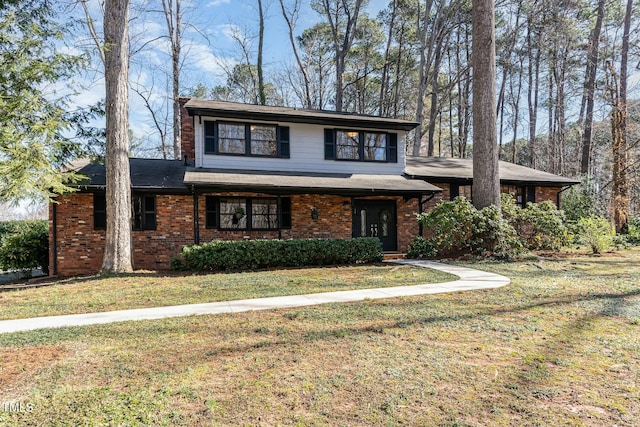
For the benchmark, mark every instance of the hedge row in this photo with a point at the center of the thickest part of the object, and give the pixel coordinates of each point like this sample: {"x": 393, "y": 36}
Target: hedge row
{"x": 260, "y": 254}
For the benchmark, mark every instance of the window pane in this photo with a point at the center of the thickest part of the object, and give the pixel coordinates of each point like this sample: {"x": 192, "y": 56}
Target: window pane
{"x": 233, "y": 213}
{"x": 231, "y": 138}
{"x": 264, "y": 213}
{"x": 136, "y": 204}
{"x": 263, "y": 140}
{"x": 375, "y": 146}
{"x": 363, "y": 223}
{"x": 347, "y": 145}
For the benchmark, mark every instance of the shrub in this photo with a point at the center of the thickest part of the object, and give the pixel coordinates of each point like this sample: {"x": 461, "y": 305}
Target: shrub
{"x": 259, "y": 254}
{"x": 25, "y": 247}
{"x": 580, "y": 201}
{"x": 596, "y": 232}
{"x": 539, "y": 225}
{"x": 421, "y": 248}
{"x": 456, "y": 228}
{"x": 494, "y": 235}
{"x": 449, "y": 226}
{"x": 634, "y": 231}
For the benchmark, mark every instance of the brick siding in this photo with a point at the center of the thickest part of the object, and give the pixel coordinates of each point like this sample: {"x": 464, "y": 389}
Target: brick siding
{"x": 80, "y": 248}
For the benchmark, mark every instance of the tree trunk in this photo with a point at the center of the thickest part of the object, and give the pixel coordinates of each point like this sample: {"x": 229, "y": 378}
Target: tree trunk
{"x": 619, "y": 129}
{"x": 262, "y": 96}
{"x": 589, "y": 90}
{"x": 532, "y": 92}
{"x": 117, "y": 252}
{"x": 486, "y": 179}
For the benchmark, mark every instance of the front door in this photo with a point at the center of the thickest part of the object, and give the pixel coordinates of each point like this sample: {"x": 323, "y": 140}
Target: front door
{"x": 376, "y": 218}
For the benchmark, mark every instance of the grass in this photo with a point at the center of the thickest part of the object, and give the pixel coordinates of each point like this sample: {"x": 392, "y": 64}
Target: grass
{"x": 559, "y": 346}
{"x": 152, "y": 290}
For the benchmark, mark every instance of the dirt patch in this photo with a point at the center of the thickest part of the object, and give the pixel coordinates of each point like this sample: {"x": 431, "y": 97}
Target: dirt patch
{"x": 16, "y": 363}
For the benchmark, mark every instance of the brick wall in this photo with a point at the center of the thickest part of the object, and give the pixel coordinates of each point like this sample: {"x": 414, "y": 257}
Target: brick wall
{"x": 334, "y": 219}
{"x": 188, "y": 138}
{"x": 80, "y": 247}
{"x": 547, "y": 193}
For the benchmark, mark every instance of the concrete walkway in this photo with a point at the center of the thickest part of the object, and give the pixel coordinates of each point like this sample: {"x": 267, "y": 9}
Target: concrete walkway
{"x": 470, "y": 279}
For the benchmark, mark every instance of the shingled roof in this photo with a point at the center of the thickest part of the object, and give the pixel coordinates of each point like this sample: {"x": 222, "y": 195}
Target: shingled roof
{"x": 444, "y": 169}
{"x": 295, "y": 182}
{"x": 233, "y": 110}
{"x": 146, "y": 174}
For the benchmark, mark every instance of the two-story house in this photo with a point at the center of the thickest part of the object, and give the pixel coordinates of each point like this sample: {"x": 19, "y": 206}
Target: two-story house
{"x": 252, "y": 172}
{"x": 257, "y": 172}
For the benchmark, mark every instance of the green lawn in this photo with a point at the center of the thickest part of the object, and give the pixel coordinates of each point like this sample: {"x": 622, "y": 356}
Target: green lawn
{"x": 153, "y": 290}
{"x": 559, "y": 346}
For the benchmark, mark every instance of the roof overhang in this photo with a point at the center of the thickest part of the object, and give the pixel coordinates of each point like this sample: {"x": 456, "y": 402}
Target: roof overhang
{"x": 312, "y": 183}
{"x": 460, "y": 171}
{"x": 236, "y": 111}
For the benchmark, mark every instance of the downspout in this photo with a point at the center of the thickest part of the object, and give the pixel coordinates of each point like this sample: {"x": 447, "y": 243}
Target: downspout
{"x": 196, "y": 222}
{"x": 279, "y": 217}
{"x": 560, "y": 192}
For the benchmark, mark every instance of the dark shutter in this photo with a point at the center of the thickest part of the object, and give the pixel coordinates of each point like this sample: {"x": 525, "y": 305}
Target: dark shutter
{"x": 285, "y": 205}
{"x": 99, "y": 211}
{"x": 210, "y": 131}
{"x": 211, "y": 213}
{"x": 283, "y": 141}
{"x": 454, "y": 191}
{"x": 149, "y": 213}
{"x": 329, "y": 144}
{"x": 392, "y": 148}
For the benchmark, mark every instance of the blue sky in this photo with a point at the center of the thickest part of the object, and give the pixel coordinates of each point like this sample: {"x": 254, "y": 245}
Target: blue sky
{"x": 208, "y": 48}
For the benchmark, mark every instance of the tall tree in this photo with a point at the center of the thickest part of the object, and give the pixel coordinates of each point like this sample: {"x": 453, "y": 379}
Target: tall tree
{"x": 173, "y": 18}
{"x": 590, "y": 87}
{"x": 619, "y": 132}
{"x": 262, "y": 94}
{"x": 33, "y": 122}
{"x": 342, "y": 17}
{"x": 291, "y": 17}
{"x": 117, "y": 252}
{"x": 486, "y": 179}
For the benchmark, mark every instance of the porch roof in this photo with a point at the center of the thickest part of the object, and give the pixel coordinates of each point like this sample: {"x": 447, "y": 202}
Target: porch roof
{"x": 296, "y": 182}
{"x": 445, "y": 169}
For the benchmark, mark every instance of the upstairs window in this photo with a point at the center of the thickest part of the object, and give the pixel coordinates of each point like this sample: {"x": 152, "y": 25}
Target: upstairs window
{"x": 360, "y": 146}
{"x": 231, "y": 138}
{"x": 245, "y": 139}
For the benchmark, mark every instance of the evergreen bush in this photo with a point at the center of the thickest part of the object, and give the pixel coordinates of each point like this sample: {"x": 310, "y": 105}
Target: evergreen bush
{"x": 24, "y": 245}
{"x": 260, "y": 254}
{"x": 596, "y": 232}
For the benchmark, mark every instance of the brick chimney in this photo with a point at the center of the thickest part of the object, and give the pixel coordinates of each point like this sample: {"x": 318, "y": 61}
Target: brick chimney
{"x": 187, "y": 134}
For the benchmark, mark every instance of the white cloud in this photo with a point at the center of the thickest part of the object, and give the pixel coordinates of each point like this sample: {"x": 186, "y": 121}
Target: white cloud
{"x": 216, "y": 3}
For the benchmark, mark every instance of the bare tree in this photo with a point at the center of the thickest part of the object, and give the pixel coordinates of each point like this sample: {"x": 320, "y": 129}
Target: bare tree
{"x": 486, "y": 180}
{"x": 173, "y": 18}
{"x": 291, "y": 17}
{"x": 342, "y": 16}
{"x": 589, "y": 89}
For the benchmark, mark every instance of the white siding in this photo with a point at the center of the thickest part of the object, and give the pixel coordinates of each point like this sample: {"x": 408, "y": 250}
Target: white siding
{"x": 307, "y": 154}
